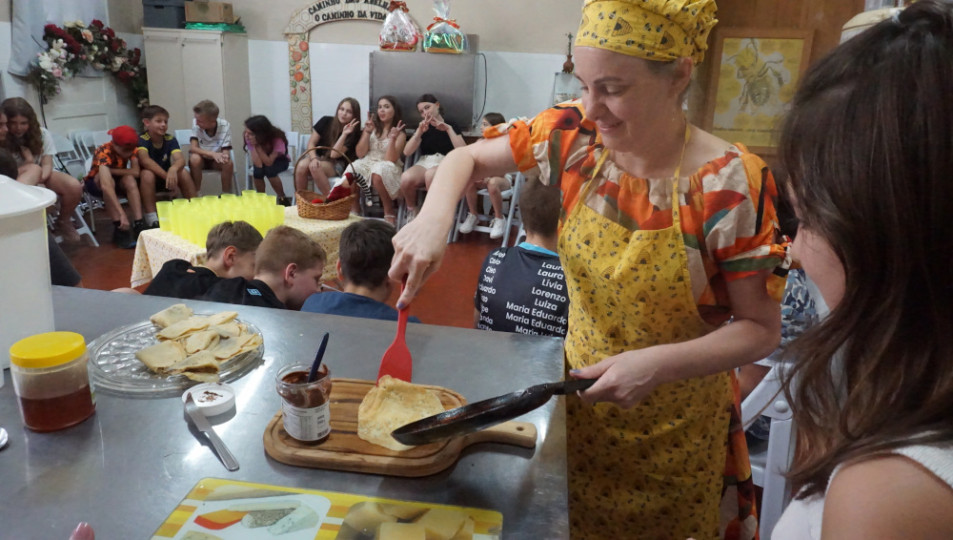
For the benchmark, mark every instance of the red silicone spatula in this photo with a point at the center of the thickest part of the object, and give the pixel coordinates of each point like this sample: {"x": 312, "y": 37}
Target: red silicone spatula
{"x": 396, "y": 361}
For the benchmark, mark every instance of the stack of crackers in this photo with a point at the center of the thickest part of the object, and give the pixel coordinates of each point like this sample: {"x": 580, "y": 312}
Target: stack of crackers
{"x": 194, "y": 345}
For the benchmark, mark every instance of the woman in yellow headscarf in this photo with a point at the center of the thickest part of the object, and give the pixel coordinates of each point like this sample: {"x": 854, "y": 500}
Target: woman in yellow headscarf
{"x": 667, "y": 232}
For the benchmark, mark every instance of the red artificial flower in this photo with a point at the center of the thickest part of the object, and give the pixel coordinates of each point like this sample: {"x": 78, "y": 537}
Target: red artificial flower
{"x": 125, "y": 76}
{"x": 109, "y": 33}
{"x": 97, "y": 23}
{"x": 114, "y": 45}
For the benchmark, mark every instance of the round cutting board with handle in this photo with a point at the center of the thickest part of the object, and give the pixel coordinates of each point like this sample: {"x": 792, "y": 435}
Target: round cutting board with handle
{"x": 345, "y": 451}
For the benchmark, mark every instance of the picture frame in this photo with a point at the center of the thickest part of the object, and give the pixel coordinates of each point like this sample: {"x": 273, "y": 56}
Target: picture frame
{"x": 754, "y": 75}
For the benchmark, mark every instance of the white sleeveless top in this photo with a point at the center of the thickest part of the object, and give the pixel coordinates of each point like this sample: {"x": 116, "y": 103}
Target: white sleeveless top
{"x": 801, "y": 520}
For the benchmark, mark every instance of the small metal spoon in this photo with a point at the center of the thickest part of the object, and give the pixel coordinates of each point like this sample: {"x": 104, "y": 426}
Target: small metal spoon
{"x": 3, "y": 438}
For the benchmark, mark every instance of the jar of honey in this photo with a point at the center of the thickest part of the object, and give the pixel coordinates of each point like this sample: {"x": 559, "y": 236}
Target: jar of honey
{"x": 50, "y": 380}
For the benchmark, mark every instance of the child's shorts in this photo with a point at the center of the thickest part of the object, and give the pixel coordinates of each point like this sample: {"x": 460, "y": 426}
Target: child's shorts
{"x": 91, "y": 187}
{"x": 280, "y": 165}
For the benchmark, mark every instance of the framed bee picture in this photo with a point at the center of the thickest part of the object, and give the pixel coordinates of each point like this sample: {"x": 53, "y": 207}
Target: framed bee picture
{"x": 755, "y": 74}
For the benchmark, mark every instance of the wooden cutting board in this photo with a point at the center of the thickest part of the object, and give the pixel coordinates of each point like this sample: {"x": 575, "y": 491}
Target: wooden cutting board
{"x": 345, "y": 451}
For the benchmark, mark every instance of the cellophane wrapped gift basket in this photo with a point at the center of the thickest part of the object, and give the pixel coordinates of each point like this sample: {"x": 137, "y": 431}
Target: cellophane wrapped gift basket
{"x": 399, "y": 32}
{"x": 444, "y": 34}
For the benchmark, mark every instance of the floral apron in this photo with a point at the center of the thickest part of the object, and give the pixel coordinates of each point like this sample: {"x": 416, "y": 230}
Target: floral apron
{"x": 655, "y": 470}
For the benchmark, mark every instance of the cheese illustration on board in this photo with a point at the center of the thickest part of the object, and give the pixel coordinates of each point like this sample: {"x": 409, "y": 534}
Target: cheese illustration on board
{"x": 218, "y": 509}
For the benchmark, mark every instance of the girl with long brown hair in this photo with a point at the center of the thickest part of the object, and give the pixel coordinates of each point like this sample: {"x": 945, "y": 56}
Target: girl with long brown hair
{"x": 380, "y": 149}
{"x": 869, "y": 147}
{"x": 340, "y": 132}
{"x": 33, "y": 148}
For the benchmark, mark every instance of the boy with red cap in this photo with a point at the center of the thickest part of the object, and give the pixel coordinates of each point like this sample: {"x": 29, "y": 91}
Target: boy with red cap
{"x": 115, "y": 169}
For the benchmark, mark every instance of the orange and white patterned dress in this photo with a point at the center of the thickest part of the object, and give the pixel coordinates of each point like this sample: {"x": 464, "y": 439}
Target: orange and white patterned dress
{"x": 646, "y": 262}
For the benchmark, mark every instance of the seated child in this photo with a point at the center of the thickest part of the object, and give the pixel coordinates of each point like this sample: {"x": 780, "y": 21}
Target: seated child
{"x": 365, "y": 255}
{"x": 522, "y": 288}
{"x": 495, "y": 186}
{"x": 267, "y": 147}
{"x": 161, "y": 161}
{"x": 115, "y": 170}
{"x": 288, "y": 269}
{"x": 33, "y": 147}
{"x": 211, "y": 145}
{"x": 229, "y": 252}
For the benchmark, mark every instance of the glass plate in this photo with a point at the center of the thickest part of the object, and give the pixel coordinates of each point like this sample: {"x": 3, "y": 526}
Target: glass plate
{"x": 114, "y": 368}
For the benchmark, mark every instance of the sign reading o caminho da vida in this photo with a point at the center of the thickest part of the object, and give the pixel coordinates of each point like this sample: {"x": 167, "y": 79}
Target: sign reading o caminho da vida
{"x": 339, "y": 10}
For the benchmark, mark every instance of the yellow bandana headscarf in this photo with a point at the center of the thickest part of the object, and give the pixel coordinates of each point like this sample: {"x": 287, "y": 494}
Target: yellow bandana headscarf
{"x": 660, "y": 30}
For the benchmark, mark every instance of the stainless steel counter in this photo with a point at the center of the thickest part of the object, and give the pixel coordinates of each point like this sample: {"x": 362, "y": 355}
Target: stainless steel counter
{"x": 125, "y": 469}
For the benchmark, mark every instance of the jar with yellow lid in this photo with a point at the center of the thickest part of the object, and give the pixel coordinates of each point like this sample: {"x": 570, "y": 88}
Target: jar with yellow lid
{"x": 50, "y": 380}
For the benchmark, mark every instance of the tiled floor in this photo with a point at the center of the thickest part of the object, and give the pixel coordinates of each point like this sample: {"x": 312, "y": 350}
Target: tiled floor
{"x": 446, "y": 299}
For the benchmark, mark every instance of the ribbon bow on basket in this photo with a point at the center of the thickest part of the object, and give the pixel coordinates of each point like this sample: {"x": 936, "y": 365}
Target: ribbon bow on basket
{"x": 438, "y": 20}
{"x": 394, "y": 4}
{"x": 309, "y": 203}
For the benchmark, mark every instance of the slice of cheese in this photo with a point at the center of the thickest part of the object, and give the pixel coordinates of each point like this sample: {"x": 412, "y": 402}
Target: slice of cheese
{"x": 171, "y": 315}
{"x": 391, "y": 404}
{"x": 466, "y": 530}
{"x": 402, "y": 531}
{"x": 442, "y": 523}
{"x": 302, "y": 518}
{"x": 162, "y": 356}
{"x": 366, "y": 517}
{"x": 404, "y": 512}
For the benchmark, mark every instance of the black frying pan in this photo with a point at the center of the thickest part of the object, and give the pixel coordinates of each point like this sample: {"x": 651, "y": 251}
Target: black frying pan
{"x": 486, "y": 413}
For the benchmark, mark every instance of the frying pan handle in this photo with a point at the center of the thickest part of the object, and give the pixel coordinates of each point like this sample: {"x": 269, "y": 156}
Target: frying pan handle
{"x": 572, "y": 386}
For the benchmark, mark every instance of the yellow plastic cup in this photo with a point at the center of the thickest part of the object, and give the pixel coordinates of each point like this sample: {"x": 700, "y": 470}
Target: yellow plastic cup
{"x": 162, "y": 209}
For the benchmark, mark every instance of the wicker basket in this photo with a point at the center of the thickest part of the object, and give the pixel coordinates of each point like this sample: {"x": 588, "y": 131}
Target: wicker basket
{"x": 336, "y": 210}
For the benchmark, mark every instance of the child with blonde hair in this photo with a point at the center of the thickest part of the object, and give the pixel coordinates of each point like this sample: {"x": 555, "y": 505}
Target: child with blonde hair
{"x": 210, "y": 145}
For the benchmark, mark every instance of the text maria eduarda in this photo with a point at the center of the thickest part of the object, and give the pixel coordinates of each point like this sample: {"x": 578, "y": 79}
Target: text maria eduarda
{"x": 544, "y": 313}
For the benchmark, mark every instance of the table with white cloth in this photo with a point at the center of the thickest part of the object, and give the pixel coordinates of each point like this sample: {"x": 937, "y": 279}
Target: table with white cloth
{"x": 156, "y": 247}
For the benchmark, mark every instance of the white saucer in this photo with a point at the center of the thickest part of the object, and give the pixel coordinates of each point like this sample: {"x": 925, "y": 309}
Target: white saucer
{"x": 212, "y": 398}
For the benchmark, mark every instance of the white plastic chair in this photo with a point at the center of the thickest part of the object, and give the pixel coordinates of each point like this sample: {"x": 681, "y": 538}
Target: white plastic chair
{"x": 86, "y": 142}
{"x": 510, "y": 204}
{"x": 67, "y": 160}
{"x": 768, "y": 467}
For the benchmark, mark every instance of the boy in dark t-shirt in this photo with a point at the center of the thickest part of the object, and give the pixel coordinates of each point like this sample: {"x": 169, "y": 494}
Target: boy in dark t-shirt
{"x": 522, "y": 288}
{"x": 230, "y": 252}
{"x": 365, "y": 255}
{"x": 288, "y": 269}
{"x": 161, "y": 161}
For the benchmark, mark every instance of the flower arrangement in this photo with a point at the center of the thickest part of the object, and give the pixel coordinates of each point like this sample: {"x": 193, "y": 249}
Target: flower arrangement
{"x": 74, "y": 46}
